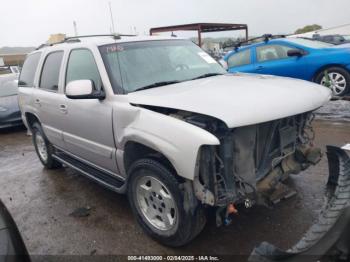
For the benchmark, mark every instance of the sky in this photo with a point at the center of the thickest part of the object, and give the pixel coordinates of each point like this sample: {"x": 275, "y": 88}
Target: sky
{"x": 30, "y": 22}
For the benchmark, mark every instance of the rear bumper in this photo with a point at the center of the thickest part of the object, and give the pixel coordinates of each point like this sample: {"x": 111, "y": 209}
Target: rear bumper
{"x": 332, "y": 229}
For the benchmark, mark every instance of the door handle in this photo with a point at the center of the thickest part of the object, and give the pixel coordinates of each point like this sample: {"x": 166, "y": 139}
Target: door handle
{"x": 37, "y": 101}
{"x": 260, "y": 68}
{"x": 63, "y": 109}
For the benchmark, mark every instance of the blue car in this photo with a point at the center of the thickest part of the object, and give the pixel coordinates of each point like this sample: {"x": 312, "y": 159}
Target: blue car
{"x": 295, "y": 57}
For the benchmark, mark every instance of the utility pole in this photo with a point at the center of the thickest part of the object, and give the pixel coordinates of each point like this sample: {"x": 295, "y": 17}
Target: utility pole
{"x": 75, "y": 28}
{"x": 112, "y": 20}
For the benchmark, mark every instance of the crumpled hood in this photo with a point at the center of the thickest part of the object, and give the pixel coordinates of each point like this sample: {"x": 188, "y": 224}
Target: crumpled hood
{"x": 238, "y": 99}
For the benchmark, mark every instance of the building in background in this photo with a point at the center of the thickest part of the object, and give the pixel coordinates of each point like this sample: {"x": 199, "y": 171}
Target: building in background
{"x": 12, "y": 59}
{"x": 56, "y": 38}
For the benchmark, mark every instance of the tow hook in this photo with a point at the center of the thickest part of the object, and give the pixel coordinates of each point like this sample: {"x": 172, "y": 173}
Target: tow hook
{"x": 230, "y": 211}
{"x": 224, "y": 215}
{"x": 248, "y": 203}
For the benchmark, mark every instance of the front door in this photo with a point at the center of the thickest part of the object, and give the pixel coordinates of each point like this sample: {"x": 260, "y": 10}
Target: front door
{"x": 88, "y": 130}
{"x": 272, "y": 59}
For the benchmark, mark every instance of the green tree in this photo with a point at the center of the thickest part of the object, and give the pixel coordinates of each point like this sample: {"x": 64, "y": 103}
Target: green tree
{"x": 308, "y": 28}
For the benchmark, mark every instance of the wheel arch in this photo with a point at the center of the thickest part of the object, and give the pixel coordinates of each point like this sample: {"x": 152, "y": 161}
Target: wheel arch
{"x": 134, "y": 151}
{"x": 31, "y": 118}
{"x": 326, "y": 67}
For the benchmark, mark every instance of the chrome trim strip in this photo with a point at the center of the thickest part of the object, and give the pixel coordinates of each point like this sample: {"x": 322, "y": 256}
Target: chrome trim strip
{"x": 86, "y": 173}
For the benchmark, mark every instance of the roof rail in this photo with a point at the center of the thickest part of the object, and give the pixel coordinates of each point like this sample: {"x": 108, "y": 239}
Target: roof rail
{"x": 114, "y": 36}
{"x": 74, "y": 39}
{"x": 265, "y": 38}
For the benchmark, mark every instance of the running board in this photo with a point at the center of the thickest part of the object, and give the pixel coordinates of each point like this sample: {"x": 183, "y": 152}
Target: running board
{"x": 108, "y": 180}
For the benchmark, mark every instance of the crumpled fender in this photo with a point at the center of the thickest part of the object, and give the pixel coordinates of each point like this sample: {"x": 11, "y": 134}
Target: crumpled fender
{"x": 333, "y": 223}
{"x": 175, "y": 139}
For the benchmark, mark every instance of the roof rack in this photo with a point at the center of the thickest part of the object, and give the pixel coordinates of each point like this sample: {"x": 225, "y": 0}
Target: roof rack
{"x": 265, "y": 38}
{"x": 75, "y": 39}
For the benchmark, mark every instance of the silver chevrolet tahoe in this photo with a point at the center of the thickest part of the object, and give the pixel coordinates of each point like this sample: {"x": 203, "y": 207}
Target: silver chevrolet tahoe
{"x": 160, "y": 120}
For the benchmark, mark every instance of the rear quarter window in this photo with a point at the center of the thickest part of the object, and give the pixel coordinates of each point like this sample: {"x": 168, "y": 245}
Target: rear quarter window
{"x": 51, "y": 71}
{"x": 26, "y": 78}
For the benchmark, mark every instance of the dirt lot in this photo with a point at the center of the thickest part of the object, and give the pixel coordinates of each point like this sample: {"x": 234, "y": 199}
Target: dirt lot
{"x": 41, "y": 202}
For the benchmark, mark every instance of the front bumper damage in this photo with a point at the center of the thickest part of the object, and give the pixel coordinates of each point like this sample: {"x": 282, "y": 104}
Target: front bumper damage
{"x": 329, "y": 237}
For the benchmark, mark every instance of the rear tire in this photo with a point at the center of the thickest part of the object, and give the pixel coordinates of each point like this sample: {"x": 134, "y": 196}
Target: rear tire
{"x": 158, "y": 204}
{"x": 44, "y": 148}
{"x": 339, "y": 78}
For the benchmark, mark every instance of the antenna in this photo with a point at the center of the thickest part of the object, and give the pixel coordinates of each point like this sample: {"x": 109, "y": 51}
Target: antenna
{"x": 110, "y": 10}
{"x": 75, "y": 28}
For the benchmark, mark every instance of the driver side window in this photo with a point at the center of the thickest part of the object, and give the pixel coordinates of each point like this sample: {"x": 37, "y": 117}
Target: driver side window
{"x": 82, "y": 66}
{"x": 272, "y": 52}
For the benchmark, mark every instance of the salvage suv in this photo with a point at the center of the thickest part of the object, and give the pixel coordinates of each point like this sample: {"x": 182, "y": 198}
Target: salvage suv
{"x": 159, "y": 119}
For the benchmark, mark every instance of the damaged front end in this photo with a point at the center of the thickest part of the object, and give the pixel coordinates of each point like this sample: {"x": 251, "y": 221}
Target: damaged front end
{"x": 251, "y": 162}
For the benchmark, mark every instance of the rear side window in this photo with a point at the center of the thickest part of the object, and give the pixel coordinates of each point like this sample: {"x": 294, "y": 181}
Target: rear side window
{"x": 82, "y": 66}
{"x": 26, "y": 79}
{"x": 239, "y": 59}
{"x": 51, "y": 71}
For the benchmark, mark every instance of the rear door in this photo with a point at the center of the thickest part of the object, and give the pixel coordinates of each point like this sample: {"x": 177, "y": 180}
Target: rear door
{"x": 241, "y": 62}
{"x": 48, "y": 99}
{"x": 88, "y": 129}
{"x": 26, "y": 83}
{"x": 272, "y": 59}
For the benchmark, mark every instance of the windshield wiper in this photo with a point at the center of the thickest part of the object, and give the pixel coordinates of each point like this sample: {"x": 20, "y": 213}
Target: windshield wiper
{"x": 162, "y": 83}
{"x": 207, "y": 75}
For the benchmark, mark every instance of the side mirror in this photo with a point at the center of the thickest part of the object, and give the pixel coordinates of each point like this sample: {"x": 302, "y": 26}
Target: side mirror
{"x": 83, "y": 89}
{"x": 295, "y": 52}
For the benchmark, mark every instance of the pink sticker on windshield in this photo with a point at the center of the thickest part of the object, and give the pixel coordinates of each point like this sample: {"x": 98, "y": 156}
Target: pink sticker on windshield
{"x": 114, "y": 48}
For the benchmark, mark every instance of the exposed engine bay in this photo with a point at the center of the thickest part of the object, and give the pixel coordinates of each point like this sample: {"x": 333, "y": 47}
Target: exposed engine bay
{"x": 251, "y": 162}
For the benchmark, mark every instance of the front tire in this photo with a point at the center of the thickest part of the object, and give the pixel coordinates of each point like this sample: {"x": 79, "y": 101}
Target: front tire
{"x": 339, "y": 80}
{"x": 43, "y": 147}
{"x": 158, "y": 204}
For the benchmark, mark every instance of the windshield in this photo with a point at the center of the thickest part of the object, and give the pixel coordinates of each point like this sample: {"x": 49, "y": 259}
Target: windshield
{"x": 310, "y": 43}
{"x": 137, "y": 65}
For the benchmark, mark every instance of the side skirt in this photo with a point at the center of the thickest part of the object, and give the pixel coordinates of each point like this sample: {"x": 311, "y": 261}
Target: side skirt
{"x": 110, "y": 181}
